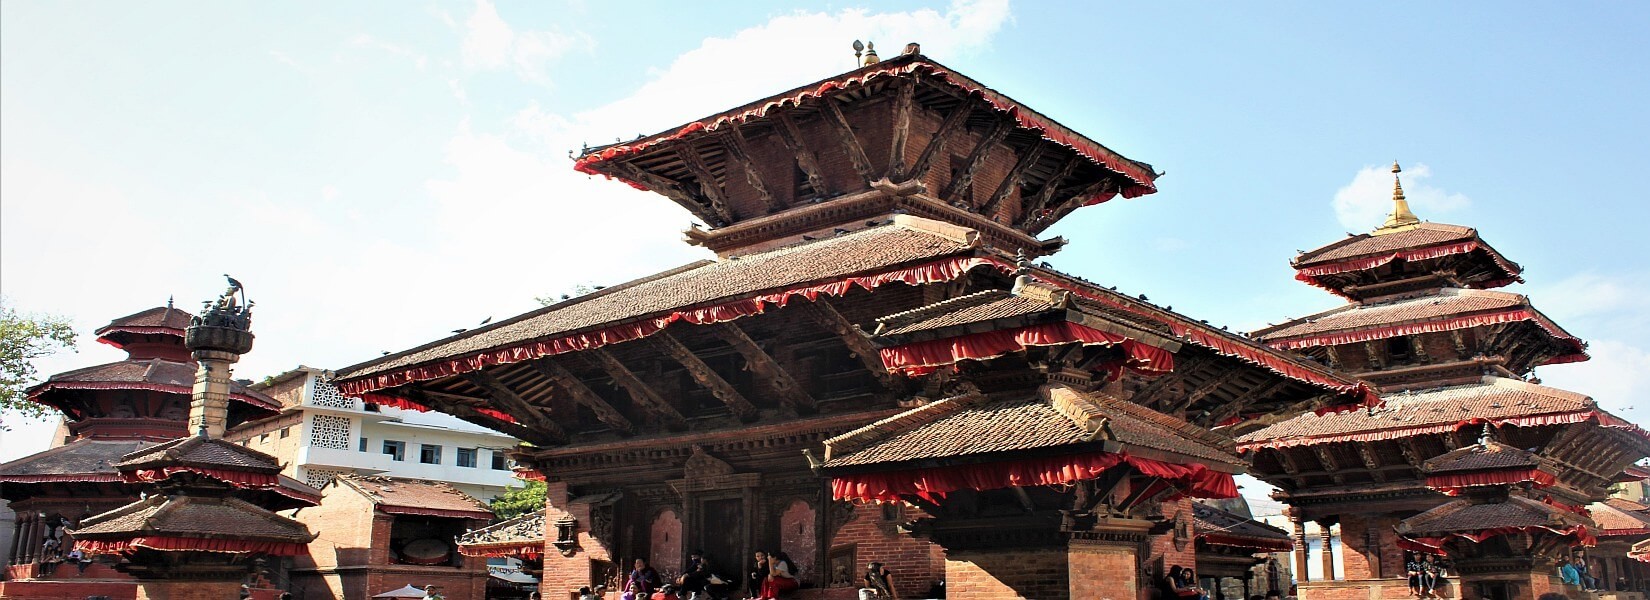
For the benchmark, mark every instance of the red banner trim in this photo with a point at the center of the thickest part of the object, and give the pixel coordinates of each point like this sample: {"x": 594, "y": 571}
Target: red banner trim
{"x": 435, "y": 512}
{"x": 1566, "y": 418}
{"x": 1454, "y": 483}
{"x": 922, "y": 357}
{"x": 932, "y": 484}
{"x": 1434, "y": 545}
{"x": 153, "y": 387}
{"x": 938, "y": 271}
{"x": 1310, "y": 274}
{"x": 67, "y": 478}
{"x": 188, "y": 544}
{"x": 1143, "y": 180}
{"x": 1461, "y": 322}
{"x": 1266, "y": 545}
{"x": 527, "y": 550}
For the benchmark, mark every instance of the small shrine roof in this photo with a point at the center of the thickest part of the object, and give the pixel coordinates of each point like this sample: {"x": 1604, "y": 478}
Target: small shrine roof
{"x": 1216, "y": 526}
{"x": 1466, "y": 516}
{"x": 1488, "y": 455}
{"x": 1054, "y": 417}
{"x": 202, "y": 452}
{"x": 1365, "y": 244}
{"x": 696, "y": 284}
{"x": 82, "y": 460}
{"x": 1495, "y": 400}
{"x": 158, "y": 320}
{"x": 405, "y": 496}
{"x": 1616, "y": 516}
{"x": 194, "y": 517}
{"x": 1410, "y": 314}
{"x": 155, "y": 374}
{"x": 522, "y": 534}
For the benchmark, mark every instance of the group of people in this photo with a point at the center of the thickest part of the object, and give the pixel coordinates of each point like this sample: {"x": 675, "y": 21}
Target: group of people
{"x": 771, "y": 575}
{"x": 1425, "y": 573}
{"x": 1575, "y": 572}
{"x": 1181, "y": 583}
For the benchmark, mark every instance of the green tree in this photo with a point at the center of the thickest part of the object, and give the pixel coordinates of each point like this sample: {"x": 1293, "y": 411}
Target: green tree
{"x": 24, "y": 338}
{"x": 518, "y": 501}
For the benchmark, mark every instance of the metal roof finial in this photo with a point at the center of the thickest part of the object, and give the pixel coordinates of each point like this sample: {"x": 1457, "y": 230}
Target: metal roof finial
{"x": 1401, "y": 215}
{"x": 871, "y": 54}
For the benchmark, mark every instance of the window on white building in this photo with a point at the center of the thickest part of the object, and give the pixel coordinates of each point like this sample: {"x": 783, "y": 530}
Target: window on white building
{"x": 363, "y": 445}
{"x": 396, "y": 450}
{"x": 329, "y": 431}
{"x": 467, "y": 457}
{"x": 429, "y": 454}
{"x": 499, "y": 462}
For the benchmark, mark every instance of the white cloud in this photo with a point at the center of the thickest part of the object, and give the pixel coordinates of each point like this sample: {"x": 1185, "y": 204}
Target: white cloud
{"x": 491, "y": 44}
{"x": 367, "y": 41}
{"x": 1617, "y": 377}
{"x": 1364, "y": 203}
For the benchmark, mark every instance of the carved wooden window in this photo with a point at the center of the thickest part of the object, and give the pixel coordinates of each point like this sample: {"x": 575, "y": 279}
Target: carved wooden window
{"x": 329, "y": 431}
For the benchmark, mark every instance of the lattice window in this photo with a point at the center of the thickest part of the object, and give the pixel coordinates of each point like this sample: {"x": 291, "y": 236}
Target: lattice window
{"x": 329, "y": 431}
{"x": 329, "y": 396}
{"x": 319, "y": 477}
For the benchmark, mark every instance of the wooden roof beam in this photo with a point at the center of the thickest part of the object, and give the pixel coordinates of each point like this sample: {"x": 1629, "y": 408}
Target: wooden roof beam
{"x": 709, "y": 186}
{"x": 902, "y": 129}
{"x": 640, "y": 391}
{"x": 560, "y": 377}
{"x": 790, "y": 394}
{"x": 949, "y": 127}
{"x": 501, "y": 395}
{"x": 858, "y": 343}
{"x": 1015, "y": 179}
{"x": 1249, "y": 398}
{"x": 1000, "y": 128}
{"x": 738, "y": 149}
{"x": 467, "y": 412}
{"x": 696, "y": 204}
{"x": 845, "y": 136}
{"x": 1203, "y": 391}
{"x": 1074, "y": 202}
{"x": 706, "y": 377}
{"x": 791, "y": 137}
{"x": 1030, "y": 207}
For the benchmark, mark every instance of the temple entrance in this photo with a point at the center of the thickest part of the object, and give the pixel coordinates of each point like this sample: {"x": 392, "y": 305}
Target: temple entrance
{"x": 722, "y": 530}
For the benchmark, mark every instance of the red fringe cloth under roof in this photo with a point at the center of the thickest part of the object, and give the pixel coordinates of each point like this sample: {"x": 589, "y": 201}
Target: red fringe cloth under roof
{"x": 1143, "y": 180}
{"x": 188, "y": 544}
{"x": 240, "y": 479}
{"x": 1435, "y": 545}
{"x": 1461, "y": 322}
{"x": 528, "y": 551}
{"x": 1604, "y": 419}
{"x": 939, "y": 271}
{"x": 1454, "y": 483}
{"x": 1221, "y": 539}
{"x": 1310, "y": 274}
{"x": 34, "y": 394}
{"x": 923, "y": 357}
{"x": 62, "y": 478}
{"x": 932, "y": 484}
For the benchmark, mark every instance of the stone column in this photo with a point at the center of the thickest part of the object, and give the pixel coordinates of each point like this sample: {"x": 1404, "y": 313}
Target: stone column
{"x": 31, "y": 538}
{"x": 1327, "y": 529}
{"x": 16, "y": 555}
{"x": 1301, "y": 549}
{"x": 209, "y": 407}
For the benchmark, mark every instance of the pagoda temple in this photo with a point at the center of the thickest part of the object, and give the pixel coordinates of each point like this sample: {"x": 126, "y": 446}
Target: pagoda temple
{"x": 205, "y": 522}
{"x": 1465, "y": 444}
{"x": 874, "y": 367}
{"x": 110, "y": 410}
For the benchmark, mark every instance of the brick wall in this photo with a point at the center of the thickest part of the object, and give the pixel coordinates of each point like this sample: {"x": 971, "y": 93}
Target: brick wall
{"x": 915, "y": 562}
{"x": 188, "y": 590}
{"x": 563, "y": 574}
{"x": 1102, "y": 572}
{"x": 1004, "y": 574}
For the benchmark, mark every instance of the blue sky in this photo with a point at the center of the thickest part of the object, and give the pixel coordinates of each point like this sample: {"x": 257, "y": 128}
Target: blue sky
{"x": 380, "y": 173}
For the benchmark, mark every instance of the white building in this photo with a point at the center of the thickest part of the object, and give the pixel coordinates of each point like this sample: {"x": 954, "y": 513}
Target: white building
{"x": 321, "y": 433}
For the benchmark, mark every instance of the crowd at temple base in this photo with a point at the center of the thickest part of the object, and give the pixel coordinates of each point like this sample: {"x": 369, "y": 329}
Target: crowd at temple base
{"x": 879, "y": 388}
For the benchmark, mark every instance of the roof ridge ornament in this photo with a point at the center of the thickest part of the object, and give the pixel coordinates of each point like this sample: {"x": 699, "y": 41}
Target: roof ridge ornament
{"x": 1401, "y": 217}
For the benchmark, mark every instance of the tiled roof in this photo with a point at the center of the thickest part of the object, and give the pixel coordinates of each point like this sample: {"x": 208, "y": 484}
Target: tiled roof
{"x": 416, "y": 496}
{"x": 1627, "y": 505}
{"x": 1615, "y": 518}
{"x": 522, "y": 530}
{"x": 174, "y": 375}
{"x": 1462, "y": 516}
{"x": 1055, "y": 416}
{"x": 698, "y": 283}
{"x": 1425, "y": 234}
{"x": 197, "y": 451}
{"x": 1445, "y": 303}
{"x": 1488, "y": 456}
{"x": 163, "y": 317}
{"x": 1495, "y": 398}
{"x": 194, "y": 516}
{"x": 972, "y": 308}
{"x": 80, "y": 457}
{"x": 1207, "y": 520}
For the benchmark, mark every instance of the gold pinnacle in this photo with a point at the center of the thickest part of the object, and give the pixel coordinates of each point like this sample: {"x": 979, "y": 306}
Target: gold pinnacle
{"x": 1401, "y": 216}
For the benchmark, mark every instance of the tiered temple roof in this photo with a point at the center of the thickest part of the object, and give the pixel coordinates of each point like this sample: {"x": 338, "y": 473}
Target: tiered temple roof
{"x": 407, "y": 496}
{"x": 1218, "y": 527}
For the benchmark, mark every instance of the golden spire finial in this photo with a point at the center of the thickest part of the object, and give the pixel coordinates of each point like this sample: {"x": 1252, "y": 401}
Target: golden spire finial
{"x": 1401, "y": 215}
{"x": 871, "y": 54}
